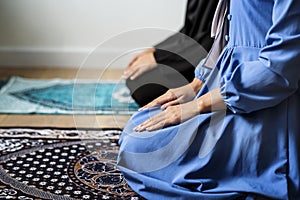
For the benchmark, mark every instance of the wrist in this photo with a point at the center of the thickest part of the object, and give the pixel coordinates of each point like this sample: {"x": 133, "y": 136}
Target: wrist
{"x": 202, "y": 106}
{"x": 196, "y": 84}
{"x": 152, "y": 50}
{"x": 211, "y": 101}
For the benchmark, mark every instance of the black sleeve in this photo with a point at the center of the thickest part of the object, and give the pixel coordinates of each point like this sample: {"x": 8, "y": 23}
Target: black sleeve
{"x": 182, "y": 50}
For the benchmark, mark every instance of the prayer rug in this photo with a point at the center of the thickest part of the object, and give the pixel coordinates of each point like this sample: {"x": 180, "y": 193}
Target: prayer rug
{"x": 61, "y": 164}
{"x": 57, "y": 96}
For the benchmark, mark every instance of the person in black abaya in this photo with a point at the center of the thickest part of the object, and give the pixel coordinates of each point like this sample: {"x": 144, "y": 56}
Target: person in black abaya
{"x": 171, "y": 63}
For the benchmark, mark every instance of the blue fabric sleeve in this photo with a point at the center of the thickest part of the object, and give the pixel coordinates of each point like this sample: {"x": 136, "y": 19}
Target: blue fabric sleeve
{"x": 202, "y": 72}
{"x": 275, "y": 76}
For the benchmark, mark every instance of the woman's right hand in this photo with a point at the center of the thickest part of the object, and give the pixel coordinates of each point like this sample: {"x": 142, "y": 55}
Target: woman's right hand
{"x": 176, "y": 96}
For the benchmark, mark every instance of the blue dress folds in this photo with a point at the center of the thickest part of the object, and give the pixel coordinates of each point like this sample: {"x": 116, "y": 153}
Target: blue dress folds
{"x": 250, "y": 151}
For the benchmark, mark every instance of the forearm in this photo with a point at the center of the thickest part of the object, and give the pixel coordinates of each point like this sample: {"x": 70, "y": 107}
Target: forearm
{"x": 211, "y": 101}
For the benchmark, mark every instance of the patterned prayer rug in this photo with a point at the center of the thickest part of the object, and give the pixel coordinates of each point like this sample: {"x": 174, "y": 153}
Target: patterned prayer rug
{"x": 57, "y": 96}
{"x": 61, "y": 164}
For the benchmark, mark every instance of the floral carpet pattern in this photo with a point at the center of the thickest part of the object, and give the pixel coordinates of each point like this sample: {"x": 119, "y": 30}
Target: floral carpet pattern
{"x": 61, "y": 164}
{"x": 60, "y": 96}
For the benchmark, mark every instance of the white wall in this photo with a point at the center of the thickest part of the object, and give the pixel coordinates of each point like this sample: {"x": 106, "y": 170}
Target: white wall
{"x": 63, "y": 32}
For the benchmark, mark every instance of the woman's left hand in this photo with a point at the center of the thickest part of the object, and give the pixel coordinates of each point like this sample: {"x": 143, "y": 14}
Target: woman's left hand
{"x": 170, "y": 116}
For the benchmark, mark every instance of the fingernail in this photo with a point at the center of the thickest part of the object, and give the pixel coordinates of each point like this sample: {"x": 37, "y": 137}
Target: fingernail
{"x": 138, "y": 129}
{"x": 132, "y": 78}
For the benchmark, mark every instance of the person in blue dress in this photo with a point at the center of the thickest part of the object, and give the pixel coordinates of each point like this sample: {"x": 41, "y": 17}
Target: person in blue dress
{"x": 233, "y": 133}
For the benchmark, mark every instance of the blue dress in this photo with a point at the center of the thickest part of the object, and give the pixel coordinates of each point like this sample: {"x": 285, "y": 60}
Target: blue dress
{"x": 250, "y": 151}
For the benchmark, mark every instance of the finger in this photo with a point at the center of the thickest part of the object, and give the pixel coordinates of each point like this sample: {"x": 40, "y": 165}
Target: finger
{"x": 135, "y": 64}
{"x": 165, "y": 99}
{"x": 128, "y": 73}
{"x": 144, "y": 126}
{"x": 150, "y": 122}
{"x": 142, "y": 69}
{"x": 152, "y": 104}
{"x": 168, "y": 96}
{"x": 137, "y": 73}
{"x": 160, "y": 121}
{"x": 149, "y": 126}
{"x": 128, "y": 69}
{"x": 156, "y": 126}
{"x": 153, "y": 120}
{"x": 159, "y": 101}
{"x": 170, "y": 103}
{"x": 131, "y": 65}
{"x": 133, "y": 59}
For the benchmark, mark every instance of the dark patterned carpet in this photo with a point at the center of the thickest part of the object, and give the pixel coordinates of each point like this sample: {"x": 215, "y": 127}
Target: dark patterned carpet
{"x": 61, "y": 164}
